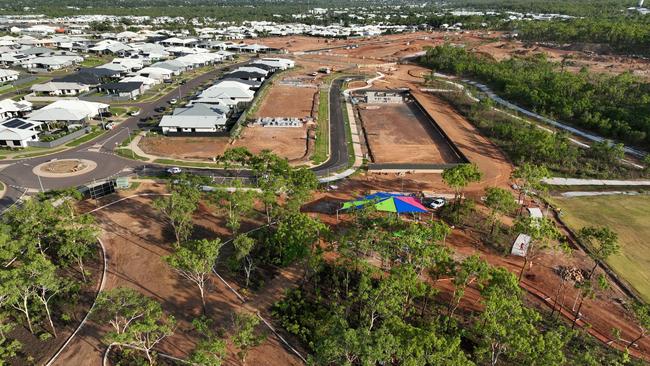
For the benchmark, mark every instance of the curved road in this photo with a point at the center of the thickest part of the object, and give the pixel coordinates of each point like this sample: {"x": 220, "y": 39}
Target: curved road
{"x": 19, "y": 178}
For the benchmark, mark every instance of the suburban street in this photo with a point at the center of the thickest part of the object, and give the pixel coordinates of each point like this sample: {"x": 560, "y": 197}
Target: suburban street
{"x": 20, "y": 180}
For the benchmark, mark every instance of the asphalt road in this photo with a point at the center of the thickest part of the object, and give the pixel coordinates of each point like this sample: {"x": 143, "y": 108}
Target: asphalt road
{"x": 18, "y": 176}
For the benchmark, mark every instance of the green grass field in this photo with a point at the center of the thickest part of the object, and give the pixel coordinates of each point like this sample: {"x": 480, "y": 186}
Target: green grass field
{"x": 629, "y": 216}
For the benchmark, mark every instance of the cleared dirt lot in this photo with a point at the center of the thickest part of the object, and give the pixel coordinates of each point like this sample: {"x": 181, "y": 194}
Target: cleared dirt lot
{"x": 288, "y": 101}
{"x": 136, "y": 241}
{"x": 202, "y": 148}
{"x": 401, "y": 133}
{"x": 288, "y": 142}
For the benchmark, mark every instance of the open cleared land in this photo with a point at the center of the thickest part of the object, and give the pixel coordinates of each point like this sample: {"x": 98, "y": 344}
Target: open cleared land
{"x": 287, "y": 142}
{"x": 401, "y": 133}
{"x": 629, "y": 217}
{"x": 184, "y": 147}
{"x": 288, "y": 101}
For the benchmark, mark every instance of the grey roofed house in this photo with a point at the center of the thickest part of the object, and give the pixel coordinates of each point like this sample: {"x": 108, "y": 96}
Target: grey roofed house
{"x": 200, "y": 109}
{"x": 37, "y": 51}
{"x": 246, "y": 75}
{"x": 184, "y": 124}
{"x": 101, "y": 72}
{"x": 121, "y": 86}
{"x": 266, "y": 67}
{"x": 81, "y": 77}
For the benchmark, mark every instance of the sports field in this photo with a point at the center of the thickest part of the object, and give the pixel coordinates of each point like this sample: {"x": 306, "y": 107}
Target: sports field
{"x": 629, "y": 216}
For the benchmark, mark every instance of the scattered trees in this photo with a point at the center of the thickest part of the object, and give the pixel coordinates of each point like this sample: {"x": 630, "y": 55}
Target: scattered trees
{"x": 178, "y": 207}
{"x": 500, "y": 201}
{"x": 194, "y": 260}
{"x": 602, "y": 242}
{"x": 245, "y": 336}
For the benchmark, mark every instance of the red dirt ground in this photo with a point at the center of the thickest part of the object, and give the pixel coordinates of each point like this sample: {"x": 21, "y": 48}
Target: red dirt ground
{"x": 288, "y": 101}
{"x": 201, "y": 148}
{"x": 136, "y": 240}
{"x": 400, "y": 133}
{"x": 288, "y": 142}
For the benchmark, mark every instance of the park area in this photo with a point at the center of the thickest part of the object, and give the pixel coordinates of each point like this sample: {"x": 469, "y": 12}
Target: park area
{"x": 401, "y": 133}
{"x": 629, "y": 217}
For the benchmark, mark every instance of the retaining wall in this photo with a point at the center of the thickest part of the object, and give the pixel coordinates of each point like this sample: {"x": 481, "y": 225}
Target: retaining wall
{"x": 60, "y": 141}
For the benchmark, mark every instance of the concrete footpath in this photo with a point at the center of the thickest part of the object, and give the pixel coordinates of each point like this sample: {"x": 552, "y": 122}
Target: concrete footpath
{"x": 594, "y": 182}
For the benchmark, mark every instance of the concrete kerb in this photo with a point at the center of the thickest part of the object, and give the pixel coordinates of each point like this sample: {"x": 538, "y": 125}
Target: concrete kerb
{"x": 85, "y": 319}
{"x": 88, "y": 166}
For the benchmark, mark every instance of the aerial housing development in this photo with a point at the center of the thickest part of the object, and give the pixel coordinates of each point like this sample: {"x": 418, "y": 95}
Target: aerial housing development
{"x": 244, "y": 182}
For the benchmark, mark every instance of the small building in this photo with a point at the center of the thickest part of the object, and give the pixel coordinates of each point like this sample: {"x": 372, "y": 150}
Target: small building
{"x": 131, "y": 89}
{"x": 383, "y": 97}
{"x": 8, "y": 75}
{"x": 10, "y": 108}
{"x": 17, "y": 132}
{"x": 56, "y": 89}
{"x": 69, "y": 112}
{"x": 520, "y": 246}
{"x": 196, "y": 119}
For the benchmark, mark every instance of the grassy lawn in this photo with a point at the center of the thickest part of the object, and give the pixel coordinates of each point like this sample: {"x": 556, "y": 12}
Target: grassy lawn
{"x": 129, "y": 154}
{"x": 39, "y": 153}
{"x": 321, "y": 146}
{"x": 629, "y": 217}
{"x": 85, "y": 138}
{"x": 93, "y": 61}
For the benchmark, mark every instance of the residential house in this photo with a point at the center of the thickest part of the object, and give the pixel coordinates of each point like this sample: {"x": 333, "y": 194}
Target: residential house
{"x": 56, "y": 89}
{"x": 50, "y": 63}
{"x": 123, "y": 89}
{"x": 196, "y": 120}
{"x": 157, "y": 73}
{"x": 69, "y": 112}
{"x": 8, "y": 75}
{"x": 17, "y": 132}
{"x": 175, "y": 41}
{"x": 10, "y": 108}
{"x": 253, "y": 69}
{"x": 279, "y": 63}
{"x": 227, "y": 94}
{"x": 247, "y": 75}
{"x": 146, "y": 82}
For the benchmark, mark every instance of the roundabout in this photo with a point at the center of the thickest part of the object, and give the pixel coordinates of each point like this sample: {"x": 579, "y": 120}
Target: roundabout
{"x": 61, "y": 168}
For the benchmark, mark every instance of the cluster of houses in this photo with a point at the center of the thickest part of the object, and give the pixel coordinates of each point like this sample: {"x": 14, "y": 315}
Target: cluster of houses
{"x": 211, "y": 110}
{"x": 20, "y": 124}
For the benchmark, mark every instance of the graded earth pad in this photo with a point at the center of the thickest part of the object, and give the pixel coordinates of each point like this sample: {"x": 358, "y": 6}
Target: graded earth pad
{"x": 288, "y": 101}
{"x": 203, "y": 148}
{"x": 401, "y": 133}
{"x": 286, "y": 142}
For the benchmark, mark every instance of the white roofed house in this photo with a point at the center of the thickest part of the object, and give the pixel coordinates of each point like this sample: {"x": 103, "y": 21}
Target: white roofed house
{"x": 279, "y": 63}
{"x": 157, "y": 73}
{"x": 129, "y": 90}
{"x": 146, "y": 82}
{"x": 229, "y": 95}
{"x": 10, "y": 108}
{"x": 55, "y": 89}
{"x": 198, "y": 119}
{"x": 17, "y": 132}
{"x": 69, "y": 112}
{"x": 8, "y": 75}
{"x": 253, "y": 69}
{"x": 183, "y": 42}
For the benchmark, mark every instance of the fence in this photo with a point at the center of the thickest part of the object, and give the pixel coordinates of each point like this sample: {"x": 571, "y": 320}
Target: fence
{"x": 60, "y": 141}
{"x": 34, "y": 98}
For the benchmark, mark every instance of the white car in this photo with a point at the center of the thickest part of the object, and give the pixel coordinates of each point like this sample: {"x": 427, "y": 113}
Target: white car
{"x": 135, "y": 113}
{"x": 174, "y": 170}
{"x": 437, "y": 203}
{"x": 110, "y": 125}
{"x": 173, "y": 101}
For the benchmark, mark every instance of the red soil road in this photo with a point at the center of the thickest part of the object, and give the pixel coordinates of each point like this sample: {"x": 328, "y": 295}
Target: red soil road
{"x": 136, "y": 241}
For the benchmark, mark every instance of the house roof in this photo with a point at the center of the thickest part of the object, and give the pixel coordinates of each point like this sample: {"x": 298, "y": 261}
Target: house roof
{"x": 252, "y": 69}
{"x": 198, "y": 109}
{"x": 142, "y": 79}
{"x": 67, "y": 110}
{"x": 80, "y": 77}
{"x": 245, "y": 75}
{"x": 10, "y": 105}
{"x": 193, "y": 121}
{"x": 5, "y": 73}
{"x": 54, "y": 86}
{"x": 226, "y": 92}
{"x": 122, "y": 86}
{"x": 100, "y": 71}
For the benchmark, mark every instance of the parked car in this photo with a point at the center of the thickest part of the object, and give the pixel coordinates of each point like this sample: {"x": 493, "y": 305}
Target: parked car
{"x": 173, "y": 101}
{"x": 437, "y": 203}
{"x": 110, "y": 125}
{"x": 135, "y": 113}
{"x": 168, "y": 81}
{"x": 160, "y": 109}
{"x": 174, "y": 170}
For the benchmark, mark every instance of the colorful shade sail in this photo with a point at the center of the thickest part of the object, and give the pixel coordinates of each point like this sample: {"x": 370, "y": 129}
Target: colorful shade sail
{"x": 388, "y": 202}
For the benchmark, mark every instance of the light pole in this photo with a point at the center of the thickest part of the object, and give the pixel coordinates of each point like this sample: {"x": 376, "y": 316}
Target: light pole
{"x": 128, "y": 131}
